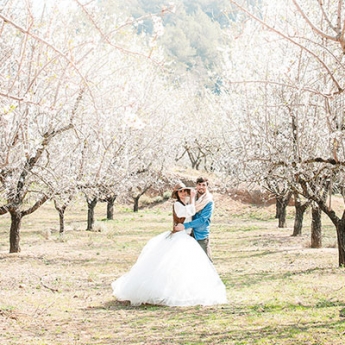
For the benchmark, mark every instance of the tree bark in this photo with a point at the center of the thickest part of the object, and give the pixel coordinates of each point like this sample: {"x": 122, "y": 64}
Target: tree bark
{"x": 137, "y": 197}
{"x": 339, "y": 223}
{"x": 16, "y": 221}
{"x": 297, "y": 227}
{"x": 281, "y": 204}
{"x": 91, "y": 204}
{"x": 300, "y": 209}
{"x": 341, "y": 241}
{"x": 3, "y": 210}
{"x": 316, "y": 228}
{"x": 110, "y": 207}
{"x": 61, "y": 212}
{"x": 136, "y": 203}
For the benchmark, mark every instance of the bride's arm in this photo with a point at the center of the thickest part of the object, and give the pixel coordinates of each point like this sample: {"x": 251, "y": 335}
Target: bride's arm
{"x": 184, "y": 211}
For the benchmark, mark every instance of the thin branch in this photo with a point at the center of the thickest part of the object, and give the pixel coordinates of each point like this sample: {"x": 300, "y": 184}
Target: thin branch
{"x": 340, "y": 89}
{"x": 3, "y": 209}
{"x": 28, "y": 32}
{"x": 338, "y": 38}
{"x": 335, "y": 29}
{"x": 15, "y": 98}
{"x": 106, "y": 39}
{"x": 306, "y": 18}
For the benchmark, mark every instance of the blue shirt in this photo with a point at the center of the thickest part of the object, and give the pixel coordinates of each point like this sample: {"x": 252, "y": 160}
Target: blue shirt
{"x": 201, "y": 222}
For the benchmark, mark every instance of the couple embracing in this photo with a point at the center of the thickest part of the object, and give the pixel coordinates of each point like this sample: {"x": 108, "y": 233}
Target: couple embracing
{"x": 175, "y": 267}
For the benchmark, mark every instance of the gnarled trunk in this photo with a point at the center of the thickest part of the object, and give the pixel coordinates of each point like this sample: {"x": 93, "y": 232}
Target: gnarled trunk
{"x": 300, "y": 209}
{"x": 110, "y": 207}
{"x": 138, "y": 196}
{"x": 61, "y": 212}
{"x": 341, "y": 241}
{"x": 136, "y": 203}
{"x": 316, "y": 232}
{"x": 16, "y": 221}
{"x": 297, "y": 227}
{"x": 281, "y": 205}
{"x": 91, "y": 204}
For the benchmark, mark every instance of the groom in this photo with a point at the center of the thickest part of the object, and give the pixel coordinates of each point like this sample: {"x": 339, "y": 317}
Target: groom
{"x": 201, "y": 220}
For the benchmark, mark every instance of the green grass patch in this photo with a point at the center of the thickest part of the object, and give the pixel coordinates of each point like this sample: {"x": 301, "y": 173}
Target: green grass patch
{"x": 57, "y": 290}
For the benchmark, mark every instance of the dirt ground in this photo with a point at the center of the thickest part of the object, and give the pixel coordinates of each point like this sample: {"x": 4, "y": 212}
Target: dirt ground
{"x": 57, "y": 290}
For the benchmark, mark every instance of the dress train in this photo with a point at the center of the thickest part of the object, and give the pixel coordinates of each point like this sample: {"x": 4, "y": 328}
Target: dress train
{"x": 171, "y": 270}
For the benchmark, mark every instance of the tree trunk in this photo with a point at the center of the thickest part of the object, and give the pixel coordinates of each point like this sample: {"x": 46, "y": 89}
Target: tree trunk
{"x": 91, "y": 204}
{"x": 341, "y": 241}
{"x": 281, "y": 205}
{"x": 110, "y": 207}
{"x": 299, "y": 210}
{"x": 297, "y": 227}
{"x": 16, "y": 221}
{"x": 282, "y": 219}
{"x": 316, "y": 233}
{"x": 137, "y": 197}
{"x": 136, "y": 203}
{"x": 61, "y": 212}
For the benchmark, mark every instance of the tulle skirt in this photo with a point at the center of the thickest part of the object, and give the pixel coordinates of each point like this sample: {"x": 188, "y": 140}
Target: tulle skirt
{"x": 171, "y": 270}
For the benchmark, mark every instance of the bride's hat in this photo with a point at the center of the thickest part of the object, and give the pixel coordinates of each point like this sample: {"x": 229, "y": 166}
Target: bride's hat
{"x": 178, "y": 187}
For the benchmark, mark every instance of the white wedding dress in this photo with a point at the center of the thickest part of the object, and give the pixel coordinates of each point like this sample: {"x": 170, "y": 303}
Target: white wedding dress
{"x": 172, "y": 270}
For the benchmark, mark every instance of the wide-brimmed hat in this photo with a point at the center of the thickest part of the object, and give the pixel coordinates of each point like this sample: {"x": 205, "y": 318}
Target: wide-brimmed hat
{"x": 178, "y": 187}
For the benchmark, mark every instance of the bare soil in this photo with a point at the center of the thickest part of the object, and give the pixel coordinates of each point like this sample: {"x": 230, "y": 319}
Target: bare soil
{"x": 280, "y": 291}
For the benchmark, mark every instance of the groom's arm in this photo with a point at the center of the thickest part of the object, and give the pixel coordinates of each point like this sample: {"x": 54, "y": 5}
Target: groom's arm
{"x": 204, "y": 219}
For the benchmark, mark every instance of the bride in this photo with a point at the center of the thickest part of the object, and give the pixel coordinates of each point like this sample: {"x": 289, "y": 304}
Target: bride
{"x": 173, "y": 269}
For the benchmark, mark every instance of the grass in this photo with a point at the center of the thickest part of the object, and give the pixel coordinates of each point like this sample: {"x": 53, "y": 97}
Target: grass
{"x": 57, "y": 290}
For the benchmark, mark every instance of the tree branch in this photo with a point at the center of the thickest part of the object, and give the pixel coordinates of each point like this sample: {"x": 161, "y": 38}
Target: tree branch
{"x": 321, "y": 33}
{"x": 340, "y": 89}
{"x": 28, "y": 32}
{"x": 36, "y": 206}
{"x": 3, "y": 209}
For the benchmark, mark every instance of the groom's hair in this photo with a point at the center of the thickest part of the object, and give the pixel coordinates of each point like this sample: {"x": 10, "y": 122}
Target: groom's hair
{"x": 202, "y": 179}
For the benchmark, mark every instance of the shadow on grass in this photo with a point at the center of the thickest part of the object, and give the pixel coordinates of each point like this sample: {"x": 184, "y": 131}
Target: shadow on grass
{"x": 253, "y": 279}
{"x": 282, "y": 334}
{"x": 115, "y": 304}
{"x": 228, "y": 309}
{"x": 237, "y": 324}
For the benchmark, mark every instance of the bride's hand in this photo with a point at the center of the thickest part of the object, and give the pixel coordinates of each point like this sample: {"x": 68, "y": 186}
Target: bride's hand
{"x": 178, "y": 227}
